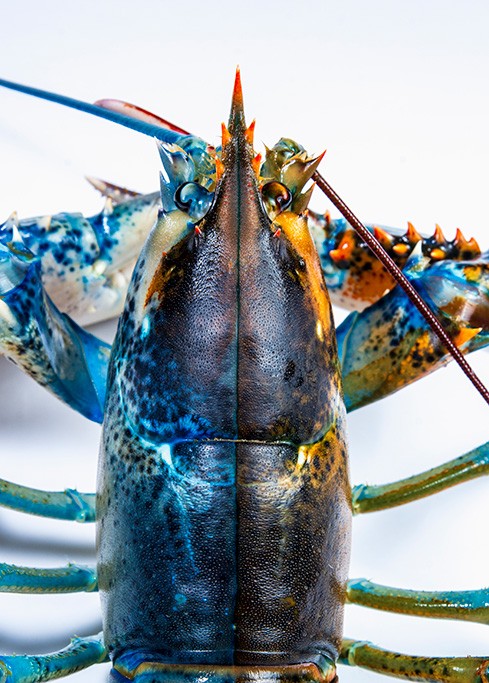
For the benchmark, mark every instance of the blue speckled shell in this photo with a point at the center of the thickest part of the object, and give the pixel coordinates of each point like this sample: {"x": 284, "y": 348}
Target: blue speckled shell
{"x": 223, "y": 500}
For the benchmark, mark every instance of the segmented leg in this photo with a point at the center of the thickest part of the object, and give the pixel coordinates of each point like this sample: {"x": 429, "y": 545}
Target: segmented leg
{"x": 445, "y": 669}
{"x": 68, "y": 504}
{"x": 461, "y": 605}
{"x": 70, "y": 579}
{"x": 472, "y": 605}
{"x": 80, "y": 654}
{"x": 469, "y": 466}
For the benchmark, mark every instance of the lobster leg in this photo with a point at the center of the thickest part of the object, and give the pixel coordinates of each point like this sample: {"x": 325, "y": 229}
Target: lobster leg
{"x": 472, "y": 605}
{"x": 80, "y": 654}
{"x": 446, "y": 669}
{"x": 389, "y": 344}
{"x": 68, "y": 504}
{"x": 473, "y": 464}
{"x": 70, "y": 579}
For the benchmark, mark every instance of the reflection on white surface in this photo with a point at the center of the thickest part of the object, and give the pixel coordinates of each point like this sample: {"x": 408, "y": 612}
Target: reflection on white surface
{"x": 395, "y": 92}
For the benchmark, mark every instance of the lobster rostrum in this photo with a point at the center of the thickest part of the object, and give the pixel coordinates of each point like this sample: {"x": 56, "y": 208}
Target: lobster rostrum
{"x": 223, "y": 503}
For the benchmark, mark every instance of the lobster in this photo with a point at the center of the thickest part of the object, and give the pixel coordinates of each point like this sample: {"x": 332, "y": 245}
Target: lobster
{"x": 251, "y": 500}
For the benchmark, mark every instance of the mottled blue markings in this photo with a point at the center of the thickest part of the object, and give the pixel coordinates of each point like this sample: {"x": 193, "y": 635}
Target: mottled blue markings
{"x": 378, "y": 340}
{"x": 60, "y": 355}
{"x": 167, "y": 558}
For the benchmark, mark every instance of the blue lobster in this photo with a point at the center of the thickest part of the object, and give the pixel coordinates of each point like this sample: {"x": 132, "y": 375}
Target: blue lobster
{"x": 223, "y": 505}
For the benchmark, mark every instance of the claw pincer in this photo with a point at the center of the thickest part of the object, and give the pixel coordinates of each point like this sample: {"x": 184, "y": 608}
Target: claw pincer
{"x": 223, "y": 498}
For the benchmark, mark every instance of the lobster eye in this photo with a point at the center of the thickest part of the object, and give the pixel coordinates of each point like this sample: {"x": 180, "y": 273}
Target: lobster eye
{"x": 193, "y": 199}
{"x": 276, "y": 197}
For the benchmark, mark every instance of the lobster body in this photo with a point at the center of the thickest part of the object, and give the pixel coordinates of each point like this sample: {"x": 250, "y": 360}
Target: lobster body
{"x": 223, "y": 502}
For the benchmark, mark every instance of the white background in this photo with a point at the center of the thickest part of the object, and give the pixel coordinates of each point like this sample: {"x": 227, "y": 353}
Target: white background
{"x": 398, "y": 94}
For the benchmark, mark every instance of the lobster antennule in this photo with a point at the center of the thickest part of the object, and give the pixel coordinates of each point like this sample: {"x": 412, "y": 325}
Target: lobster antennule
{"x": 141, "y": 126}
{"x": 135, "y": 112}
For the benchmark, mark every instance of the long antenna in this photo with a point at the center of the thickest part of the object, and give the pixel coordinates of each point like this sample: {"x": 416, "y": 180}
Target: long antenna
{"x": 156, "y": 131}
{"x": 403, "y": 281}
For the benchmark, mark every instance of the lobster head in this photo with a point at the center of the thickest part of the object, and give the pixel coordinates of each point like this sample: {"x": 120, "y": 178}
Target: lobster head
{"x": 228, "y": 314}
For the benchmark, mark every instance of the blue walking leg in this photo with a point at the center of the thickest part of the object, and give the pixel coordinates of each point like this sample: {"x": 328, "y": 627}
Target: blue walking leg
{"x": 70, "y": 579}
{"x": 407, "y": 667}
{"x": 469, "y": 466}
{"x": 68, "y": 504}
{"x": 80, "y": 654}
{"x": 472, "y": 605}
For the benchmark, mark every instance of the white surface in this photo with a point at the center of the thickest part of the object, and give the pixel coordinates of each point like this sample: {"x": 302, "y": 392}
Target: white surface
{"x": 398, "y": 95}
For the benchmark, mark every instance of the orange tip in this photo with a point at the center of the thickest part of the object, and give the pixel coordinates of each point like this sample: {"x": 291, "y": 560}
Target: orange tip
{"x": 401, "y": 249}
{"x": 465, "y": 334}
{"x": 256, "y": 163}
{"x": 219, "y": 168}
{"x": 438, "y": 234}
{"x": 437, "y": 254}
{"x": 383, "y": 237}
{"x": 344, "y": 250}
{"x": 459, "y": 237}
{"x": 226, "y": 135}
{"x": 250, "y": 132}
{"x": 412, "y": 234}
{"x": 237, "y": 90}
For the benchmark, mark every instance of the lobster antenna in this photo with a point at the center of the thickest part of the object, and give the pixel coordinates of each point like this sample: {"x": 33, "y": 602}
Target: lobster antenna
{"x": 402, "y": 281}
{"x": 155, "y": 131}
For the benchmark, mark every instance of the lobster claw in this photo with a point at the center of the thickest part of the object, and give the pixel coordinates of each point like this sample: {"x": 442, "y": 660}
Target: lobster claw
{"x": 45, "y": 343}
